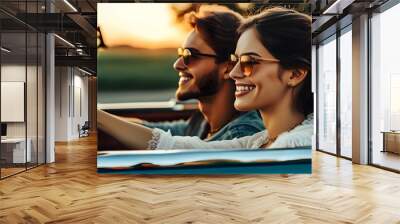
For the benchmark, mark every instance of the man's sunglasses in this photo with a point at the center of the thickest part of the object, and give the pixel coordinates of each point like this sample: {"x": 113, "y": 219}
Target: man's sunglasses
{"x": 190, "y": 54}
{"x": 247, "y": 62}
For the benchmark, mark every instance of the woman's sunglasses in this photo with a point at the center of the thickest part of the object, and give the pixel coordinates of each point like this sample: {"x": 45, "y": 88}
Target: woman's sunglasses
{"x": 247, "y": 63}
{"x": 189, "y": 55}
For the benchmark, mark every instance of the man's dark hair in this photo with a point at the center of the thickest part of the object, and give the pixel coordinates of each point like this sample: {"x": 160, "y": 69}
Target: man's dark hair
{"x": 217, "y": 26}
{"x": 286, "y": 34}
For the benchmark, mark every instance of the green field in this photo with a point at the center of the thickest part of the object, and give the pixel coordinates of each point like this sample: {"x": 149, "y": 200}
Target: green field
{"x": 125, "y": 69}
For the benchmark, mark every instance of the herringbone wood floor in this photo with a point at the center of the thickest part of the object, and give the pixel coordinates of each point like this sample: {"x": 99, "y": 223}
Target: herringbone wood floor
{"x": 70, "y": 191}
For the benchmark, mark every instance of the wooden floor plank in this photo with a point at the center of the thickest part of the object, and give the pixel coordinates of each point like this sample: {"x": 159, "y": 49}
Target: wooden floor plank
{"x": 70, "y": 191}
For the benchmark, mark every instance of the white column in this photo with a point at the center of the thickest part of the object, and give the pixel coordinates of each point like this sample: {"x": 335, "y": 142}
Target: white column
{"x": 360, "y": 89}
{"x": 50, "y": 91}
{"x": 50, "y": 99}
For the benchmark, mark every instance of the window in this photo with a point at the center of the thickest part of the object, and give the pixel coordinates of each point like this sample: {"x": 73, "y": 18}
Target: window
{"x": 327, "y": 95}
{"x": 345, "y": 94}
{"x": 385, "y": 88}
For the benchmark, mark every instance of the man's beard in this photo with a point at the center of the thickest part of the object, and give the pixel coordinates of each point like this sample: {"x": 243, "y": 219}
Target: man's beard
{"x": 207, "y": 86}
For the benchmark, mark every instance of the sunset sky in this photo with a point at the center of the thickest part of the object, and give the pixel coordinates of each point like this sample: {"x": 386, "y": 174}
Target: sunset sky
{"x": 140, "y": 25}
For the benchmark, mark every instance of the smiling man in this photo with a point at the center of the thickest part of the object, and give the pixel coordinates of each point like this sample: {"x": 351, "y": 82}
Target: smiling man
{"x": 203, "y": 66}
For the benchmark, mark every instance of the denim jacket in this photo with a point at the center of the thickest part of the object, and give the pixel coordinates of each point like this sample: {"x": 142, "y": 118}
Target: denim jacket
{"x": 246, "y": 124}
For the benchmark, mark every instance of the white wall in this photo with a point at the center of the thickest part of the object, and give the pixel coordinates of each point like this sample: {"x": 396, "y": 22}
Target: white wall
{"x": 84, "y": 81}
{"x": 62, "y": 80}
{"x": 14, "y": 73}
{"x": 71, "y": 93}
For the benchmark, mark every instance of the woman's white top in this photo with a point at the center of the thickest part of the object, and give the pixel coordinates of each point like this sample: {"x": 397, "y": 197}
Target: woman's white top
{"x": 297, "y": 137}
